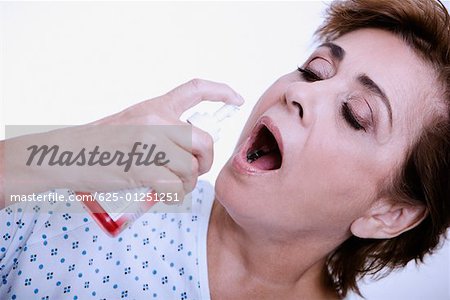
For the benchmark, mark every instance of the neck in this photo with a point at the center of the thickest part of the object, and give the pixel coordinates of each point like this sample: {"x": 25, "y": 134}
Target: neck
{"x": 294, "y": 266}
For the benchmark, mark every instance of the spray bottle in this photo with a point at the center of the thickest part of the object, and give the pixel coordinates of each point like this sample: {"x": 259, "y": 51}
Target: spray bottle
{"x": 114, "y": 216}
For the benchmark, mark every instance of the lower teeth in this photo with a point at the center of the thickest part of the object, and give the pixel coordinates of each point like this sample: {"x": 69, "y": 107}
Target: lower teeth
{"x": 254, "y": 155}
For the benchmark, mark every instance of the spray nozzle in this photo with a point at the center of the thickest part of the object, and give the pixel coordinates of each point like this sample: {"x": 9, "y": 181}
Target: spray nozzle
{"x": 211, "y": 123}
{"x": 225, "y": 112}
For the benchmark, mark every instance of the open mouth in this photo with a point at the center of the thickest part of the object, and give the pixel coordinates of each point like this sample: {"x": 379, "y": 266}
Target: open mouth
{"x": 264, "y": 152}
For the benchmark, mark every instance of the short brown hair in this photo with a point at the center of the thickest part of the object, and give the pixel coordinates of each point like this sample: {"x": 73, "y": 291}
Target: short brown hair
{"x": 424, "y": 174}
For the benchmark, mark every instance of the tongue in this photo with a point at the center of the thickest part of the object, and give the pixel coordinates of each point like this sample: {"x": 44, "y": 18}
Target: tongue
{"x": 269, "y": 161}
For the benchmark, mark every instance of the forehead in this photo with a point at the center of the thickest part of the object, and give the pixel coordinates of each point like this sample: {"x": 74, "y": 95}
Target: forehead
{"x": 409, "y": 83}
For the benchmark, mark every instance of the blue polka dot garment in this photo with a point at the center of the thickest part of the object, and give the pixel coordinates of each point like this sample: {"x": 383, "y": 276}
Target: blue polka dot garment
{"x": 61, "y": 255}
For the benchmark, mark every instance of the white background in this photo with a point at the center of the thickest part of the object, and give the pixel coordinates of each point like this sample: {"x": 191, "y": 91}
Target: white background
{"x": 72, "y": 63}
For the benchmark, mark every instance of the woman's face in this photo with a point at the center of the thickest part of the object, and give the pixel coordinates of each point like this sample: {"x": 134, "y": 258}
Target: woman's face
{"x": 319, "y": 144}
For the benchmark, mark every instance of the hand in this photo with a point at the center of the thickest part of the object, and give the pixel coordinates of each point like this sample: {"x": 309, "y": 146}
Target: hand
{"x": 163, "y": 110}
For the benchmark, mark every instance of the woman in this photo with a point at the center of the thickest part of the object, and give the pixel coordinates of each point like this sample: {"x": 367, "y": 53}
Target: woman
{"x": 340, "y": 172}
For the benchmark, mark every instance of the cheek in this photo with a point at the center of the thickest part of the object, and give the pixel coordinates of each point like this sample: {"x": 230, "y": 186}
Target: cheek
{"x": 337, "y": 181}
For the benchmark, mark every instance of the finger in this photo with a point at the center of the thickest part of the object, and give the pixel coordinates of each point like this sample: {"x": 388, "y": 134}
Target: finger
{"x": 171, "y": 184}
{"x": 159, "y": 179}
{"x": 195, "y": 91}
{"x": 200, "y": 152}
{"x": 192, "y": 140}
{"x": 171, "y": 146}
{"x": 203, "y": 150}
{"x": 182, "y": 163}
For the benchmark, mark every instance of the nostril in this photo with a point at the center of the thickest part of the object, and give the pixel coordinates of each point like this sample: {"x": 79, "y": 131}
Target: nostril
{"x": 300, "y": 108}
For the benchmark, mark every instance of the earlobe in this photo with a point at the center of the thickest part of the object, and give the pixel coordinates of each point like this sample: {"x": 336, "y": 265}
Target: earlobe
{"x": 387, "y": 219}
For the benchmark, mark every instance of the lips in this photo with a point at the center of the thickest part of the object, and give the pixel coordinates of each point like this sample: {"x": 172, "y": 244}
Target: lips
{"x": 262, "y": 151}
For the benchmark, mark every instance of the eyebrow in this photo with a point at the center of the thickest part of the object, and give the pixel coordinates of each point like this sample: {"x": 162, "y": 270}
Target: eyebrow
{"x": 369, "y": 84}
{"x": 336, "y": 51}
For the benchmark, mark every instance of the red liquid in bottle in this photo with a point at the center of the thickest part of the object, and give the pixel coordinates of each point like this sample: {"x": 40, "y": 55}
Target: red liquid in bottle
{"x": 114, "y": 216}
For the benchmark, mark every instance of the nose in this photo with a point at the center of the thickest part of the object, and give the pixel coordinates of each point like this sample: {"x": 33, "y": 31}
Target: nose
{"x": 301, "y": 99}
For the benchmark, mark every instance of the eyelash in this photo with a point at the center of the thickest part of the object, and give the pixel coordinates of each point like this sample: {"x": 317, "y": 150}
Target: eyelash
{"x": 349, "y": 116}
{"x": 309, "y": 75}
{"x": 346, "y": 111}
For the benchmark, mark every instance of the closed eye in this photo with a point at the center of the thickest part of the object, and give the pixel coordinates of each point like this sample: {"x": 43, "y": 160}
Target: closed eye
{"x": 350, "y": 118}
{"x": 309, "y": 75}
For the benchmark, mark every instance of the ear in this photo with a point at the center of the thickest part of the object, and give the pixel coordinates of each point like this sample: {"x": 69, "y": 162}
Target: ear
{"x": 387, "y": 219}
